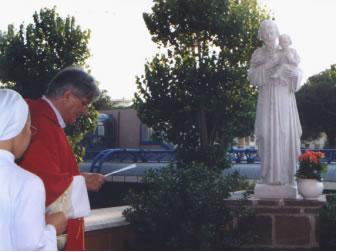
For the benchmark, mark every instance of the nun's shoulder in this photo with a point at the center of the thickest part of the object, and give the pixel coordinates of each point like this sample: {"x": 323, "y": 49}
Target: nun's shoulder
{"x": 27, "y": 178}
{"x": 26, "y": 189}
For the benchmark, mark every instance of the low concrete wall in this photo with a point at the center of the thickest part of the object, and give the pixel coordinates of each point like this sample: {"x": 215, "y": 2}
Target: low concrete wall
{"x": 278, "y": 223}
{"x": 106, "y": 229}
{"x": 283, "y": 223}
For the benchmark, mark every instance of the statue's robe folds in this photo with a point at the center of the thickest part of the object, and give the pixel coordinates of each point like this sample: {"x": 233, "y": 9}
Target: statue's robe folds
{"x": 277, "y": 126}
{"x": 50, "y": 156}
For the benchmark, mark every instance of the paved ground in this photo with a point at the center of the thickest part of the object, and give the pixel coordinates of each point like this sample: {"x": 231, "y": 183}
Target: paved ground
{"x": 250, "y": 171}
{"x": 113, "y": 194}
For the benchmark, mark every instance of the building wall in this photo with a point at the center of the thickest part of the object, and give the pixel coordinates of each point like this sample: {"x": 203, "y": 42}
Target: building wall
{"x": 128, "y": 125}
{"x": 128, "y": 128}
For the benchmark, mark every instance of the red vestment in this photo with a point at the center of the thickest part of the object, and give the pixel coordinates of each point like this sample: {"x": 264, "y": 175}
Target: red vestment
{"x": 50, "y": 156}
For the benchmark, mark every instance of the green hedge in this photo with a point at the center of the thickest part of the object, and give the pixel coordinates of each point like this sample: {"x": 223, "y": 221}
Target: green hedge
{"x": 183, "y": 209}
{"x": 328, "y": 224}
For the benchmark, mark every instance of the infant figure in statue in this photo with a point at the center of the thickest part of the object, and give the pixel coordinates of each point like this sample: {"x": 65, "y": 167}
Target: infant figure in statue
{"x": 287, "y": 70}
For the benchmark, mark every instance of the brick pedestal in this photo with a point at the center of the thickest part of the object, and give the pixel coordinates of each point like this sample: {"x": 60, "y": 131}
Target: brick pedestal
{"x": 283, "y": 223}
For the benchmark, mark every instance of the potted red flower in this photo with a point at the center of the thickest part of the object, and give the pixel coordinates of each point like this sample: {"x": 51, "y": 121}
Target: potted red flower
{"x": 309, "y": 174}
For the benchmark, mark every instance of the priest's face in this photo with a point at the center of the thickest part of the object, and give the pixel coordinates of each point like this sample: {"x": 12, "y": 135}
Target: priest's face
{"x": 74, "y": 107}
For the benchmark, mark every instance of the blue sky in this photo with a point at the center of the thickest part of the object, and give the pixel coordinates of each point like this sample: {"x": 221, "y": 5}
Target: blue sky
{"x": 120, "y": 42}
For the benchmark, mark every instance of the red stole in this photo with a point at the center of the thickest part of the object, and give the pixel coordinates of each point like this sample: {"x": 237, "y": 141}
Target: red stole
{"x": 50, "y": 156}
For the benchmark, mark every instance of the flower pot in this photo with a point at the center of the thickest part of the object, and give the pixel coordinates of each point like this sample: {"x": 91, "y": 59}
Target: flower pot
{"x": 310, "y": 188}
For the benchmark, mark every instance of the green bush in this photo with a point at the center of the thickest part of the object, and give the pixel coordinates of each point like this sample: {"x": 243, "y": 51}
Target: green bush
{"x": 328, "y": 224}
{"x": 183, "y": 209}
{"x": 77, "y": 131}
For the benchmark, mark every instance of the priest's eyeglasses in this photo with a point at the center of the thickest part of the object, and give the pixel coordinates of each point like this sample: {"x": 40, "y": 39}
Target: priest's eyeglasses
{"x": 83, "y": 100}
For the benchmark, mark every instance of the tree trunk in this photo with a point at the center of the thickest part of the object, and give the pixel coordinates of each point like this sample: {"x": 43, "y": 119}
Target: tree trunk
{"x": 204, "y": 141}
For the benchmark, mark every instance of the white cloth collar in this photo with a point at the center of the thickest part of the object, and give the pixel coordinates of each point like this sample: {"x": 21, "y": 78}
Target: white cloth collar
{"x": 56, "y": 111}
{"x": 6, "y": 156}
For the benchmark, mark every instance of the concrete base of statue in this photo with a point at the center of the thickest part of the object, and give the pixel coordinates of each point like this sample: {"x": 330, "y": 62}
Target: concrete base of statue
{"x": 265, "y": 191}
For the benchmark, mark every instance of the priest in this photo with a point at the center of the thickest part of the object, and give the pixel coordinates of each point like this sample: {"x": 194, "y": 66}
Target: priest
{"x": 50, "y": 155}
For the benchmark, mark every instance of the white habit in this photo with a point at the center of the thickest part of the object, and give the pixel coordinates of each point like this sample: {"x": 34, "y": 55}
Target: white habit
{"x": 22, "y": 209}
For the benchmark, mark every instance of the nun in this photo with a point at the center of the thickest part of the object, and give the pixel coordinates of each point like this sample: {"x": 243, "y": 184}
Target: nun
{"x": 23, "y": 223}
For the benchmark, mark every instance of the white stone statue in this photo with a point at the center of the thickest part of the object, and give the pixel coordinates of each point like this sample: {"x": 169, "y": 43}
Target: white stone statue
{"x": 274, "y": 70}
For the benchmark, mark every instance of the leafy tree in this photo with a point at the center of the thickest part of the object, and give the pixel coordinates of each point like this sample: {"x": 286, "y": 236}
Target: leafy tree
{"x": 104, "y": 101}
{"x": 195, "y": 94}
{"x": 30, "y": 57}
{"x": 33, "y": 55}
{"x": 316, "y": 102}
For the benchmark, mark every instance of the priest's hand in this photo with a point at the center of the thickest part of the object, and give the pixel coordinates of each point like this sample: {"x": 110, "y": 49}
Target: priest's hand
{"x": 94, "y": 181}
{"x": 58, "y": 220}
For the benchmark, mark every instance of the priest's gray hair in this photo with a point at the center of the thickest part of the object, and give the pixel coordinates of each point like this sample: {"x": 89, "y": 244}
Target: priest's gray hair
{"x": 75, "y": 79}
{"x": 267, "y": 25}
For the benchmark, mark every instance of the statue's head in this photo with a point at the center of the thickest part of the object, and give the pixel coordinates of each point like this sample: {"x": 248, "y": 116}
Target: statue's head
{"x": 268, "y": 33}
